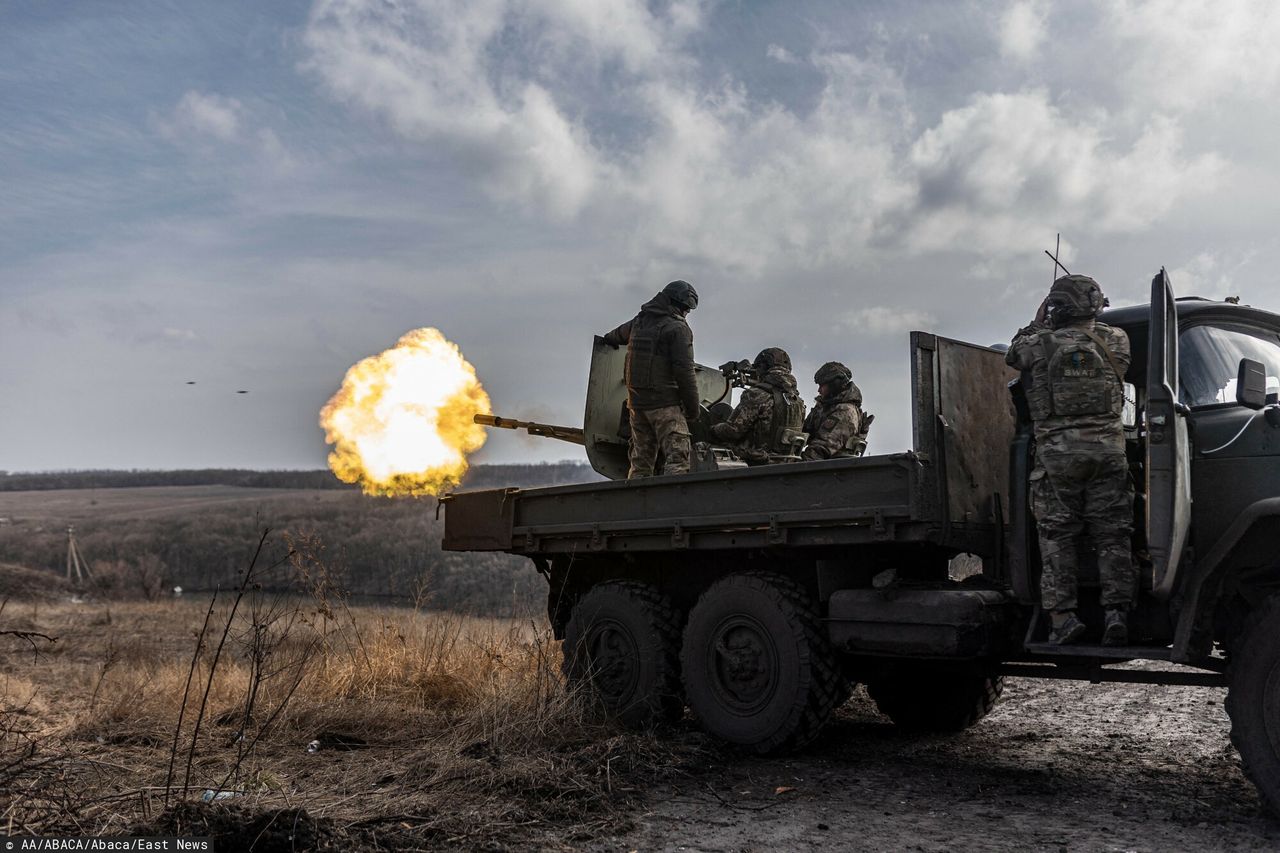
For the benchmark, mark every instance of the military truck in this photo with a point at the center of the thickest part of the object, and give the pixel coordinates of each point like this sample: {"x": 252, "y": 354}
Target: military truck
{"x": 758, "y": 597}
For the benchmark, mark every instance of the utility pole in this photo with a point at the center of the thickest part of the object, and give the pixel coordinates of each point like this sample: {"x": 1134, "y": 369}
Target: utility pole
{"x": 74, "y": 560}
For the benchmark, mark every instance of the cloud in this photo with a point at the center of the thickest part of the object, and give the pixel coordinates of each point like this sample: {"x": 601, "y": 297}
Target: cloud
{"x": 709, "y": 172}
{"x": 883, "y": 321}
{"x": 1184, "y": 54}
{"x": 1022, "y": 29}
{"x": 778, "y": 53}
{"x": 1006, "y": 168}
{"x": 207, "y": 115}
{"x": 1209, "y": 274}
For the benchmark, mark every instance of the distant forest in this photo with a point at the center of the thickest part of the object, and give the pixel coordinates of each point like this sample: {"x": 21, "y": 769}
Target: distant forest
{"x": 388, "y": 548}
{"x": 479, "y": 477}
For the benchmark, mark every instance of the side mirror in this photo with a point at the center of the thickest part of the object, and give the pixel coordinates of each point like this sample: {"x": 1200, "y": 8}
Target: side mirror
{"x": 1251, "y": 384}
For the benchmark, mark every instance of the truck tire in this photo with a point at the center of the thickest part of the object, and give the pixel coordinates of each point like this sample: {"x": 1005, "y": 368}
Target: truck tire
{"x": 936, "y": 697}
{"x": 622, "y": 646}
{"x": 1253, "y": 701}
{"x": 758, "y": 668}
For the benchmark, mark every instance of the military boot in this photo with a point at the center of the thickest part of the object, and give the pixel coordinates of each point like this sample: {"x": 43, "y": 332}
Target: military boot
{"x": 1116, "y": 630}
{"x": 1067, "y": 628}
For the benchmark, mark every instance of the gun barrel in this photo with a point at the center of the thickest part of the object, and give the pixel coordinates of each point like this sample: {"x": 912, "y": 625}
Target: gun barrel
{"x": 573, "y": 435}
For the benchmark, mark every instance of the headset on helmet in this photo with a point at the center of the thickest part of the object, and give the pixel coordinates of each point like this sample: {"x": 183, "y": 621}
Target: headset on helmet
{"x": 1074, "y": 297}
{"x": 682, "y": 293}
{"x": 834, "y": 374}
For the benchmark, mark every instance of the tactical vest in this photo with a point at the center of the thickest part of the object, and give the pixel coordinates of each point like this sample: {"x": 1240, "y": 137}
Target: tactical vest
{"x": 642, "y": 349}
{"x": 786, "y": 422}
{"x": 1077, "y": 379}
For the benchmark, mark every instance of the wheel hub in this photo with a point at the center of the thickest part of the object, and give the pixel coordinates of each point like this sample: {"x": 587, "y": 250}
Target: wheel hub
{"x": 613, "y": 655}
{"x": 744, "y": 664}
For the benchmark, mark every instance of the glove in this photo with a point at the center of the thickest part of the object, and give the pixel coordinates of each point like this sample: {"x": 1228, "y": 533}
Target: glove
{"x": 1042, "y": 313}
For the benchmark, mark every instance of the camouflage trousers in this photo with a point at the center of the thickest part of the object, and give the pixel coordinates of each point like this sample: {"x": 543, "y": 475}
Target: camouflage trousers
{"x": 655, "y": 429}
{"x": 1072, "y": 494}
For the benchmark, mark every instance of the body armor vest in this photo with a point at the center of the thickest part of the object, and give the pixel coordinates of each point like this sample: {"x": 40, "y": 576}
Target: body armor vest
{"x": 641, "y": 351}
{"x": 1078, "y": 379}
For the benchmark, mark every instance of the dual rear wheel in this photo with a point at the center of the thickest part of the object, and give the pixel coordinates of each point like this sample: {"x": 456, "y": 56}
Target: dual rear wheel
{"x": 752, "y": 661}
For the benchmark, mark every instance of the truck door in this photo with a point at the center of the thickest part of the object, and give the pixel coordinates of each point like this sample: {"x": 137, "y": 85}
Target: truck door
{"x": 1235, "y": 455}
{"x": 1168, "y": 469}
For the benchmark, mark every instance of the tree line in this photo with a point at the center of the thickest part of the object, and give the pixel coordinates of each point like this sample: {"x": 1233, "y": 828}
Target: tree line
{"x": 479, "y": 476}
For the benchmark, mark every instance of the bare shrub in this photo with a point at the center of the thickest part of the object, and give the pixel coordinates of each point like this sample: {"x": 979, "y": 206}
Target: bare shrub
{"x": 150, "y": 576}
{"x": 439, "y": 725}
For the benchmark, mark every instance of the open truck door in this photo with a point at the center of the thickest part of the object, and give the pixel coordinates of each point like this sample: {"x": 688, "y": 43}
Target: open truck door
{"x": 1168, "y": 460}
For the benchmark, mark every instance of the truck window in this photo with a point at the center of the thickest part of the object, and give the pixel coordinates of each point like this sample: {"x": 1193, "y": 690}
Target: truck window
{"x": 1209, "y": 360}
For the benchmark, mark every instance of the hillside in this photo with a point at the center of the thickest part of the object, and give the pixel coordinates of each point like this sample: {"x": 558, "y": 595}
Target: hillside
{"x": 144, "y": 538}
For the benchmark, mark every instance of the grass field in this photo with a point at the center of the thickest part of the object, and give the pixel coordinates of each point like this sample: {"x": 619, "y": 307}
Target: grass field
{"x": 71, "y": 506}
{"x": 425, "y": 729}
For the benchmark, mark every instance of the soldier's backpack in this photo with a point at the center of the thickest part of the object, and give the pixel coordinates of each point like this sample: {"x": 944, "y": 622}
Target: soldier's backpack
{"x": 1081, "y": 376}
{"x": 786, "y": 429}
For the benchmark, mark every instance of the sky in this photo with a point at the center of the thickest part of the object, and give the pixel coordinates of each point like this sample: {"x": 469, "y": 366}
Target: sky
{"x": 254, "y": 196}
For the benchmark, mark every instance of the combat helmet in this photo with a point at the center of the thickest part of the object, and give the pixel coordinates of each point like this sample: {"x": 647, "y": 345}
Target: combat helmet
{"x": 682, "y": 294}
{"x": 769, "y": 358}
{"x": 834, "y": 374}
{"x": 1074, "y": 297}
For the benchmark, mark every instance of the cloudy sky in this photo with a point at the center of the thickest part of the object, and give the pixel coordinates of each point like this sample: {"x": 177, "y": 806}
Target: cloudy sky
{"x": 256, "y": 195}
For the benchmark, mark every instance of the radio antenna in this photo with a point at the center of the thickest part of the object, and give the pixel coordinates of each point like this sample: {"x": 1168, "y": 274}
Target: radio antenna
{"x": 1057, "y": 264}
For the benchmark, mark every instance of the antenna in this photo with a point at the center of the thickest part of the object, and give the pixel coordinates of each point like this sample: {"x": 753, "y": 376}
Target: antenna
{"x": 1057, "y": 265}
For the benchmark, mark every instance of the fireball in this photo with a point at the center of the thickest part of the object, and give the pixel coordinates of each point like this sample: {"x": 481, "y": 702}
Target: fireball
{"x": 401, "y": 424}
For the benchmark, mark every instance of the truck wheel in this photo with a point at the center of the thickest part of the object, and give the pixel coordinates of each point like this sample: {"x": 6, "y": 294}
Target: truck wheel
{"x": 758, "y": 669}
{"x": 936, "y": 698}
{"x": 1253, "y": 700}
{"x": 622, "y": 645}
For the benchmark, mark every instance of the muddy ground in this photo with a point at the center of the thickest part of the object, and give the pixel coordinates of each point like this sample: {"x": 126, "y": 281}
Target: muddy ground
{"x": 1057, "y": 766}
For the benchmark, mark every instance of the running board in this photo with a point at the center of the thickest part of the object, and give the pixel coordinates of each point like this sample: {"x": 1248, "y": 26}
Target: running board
{"x": 1077, "y": 650}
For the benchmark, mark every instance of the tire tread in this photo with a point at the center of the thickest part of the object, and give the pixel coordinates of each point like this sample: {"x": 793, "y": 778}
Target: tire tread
{"x": 1253, "y": 637}
{"x": 821, "y": 695}
{"x": 667, "y": 703}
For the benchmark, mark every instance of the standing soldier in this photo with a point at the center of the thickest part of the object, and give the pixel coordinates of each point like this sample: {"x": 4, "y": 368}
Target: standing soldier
{"x": 769, "y": 419}
{"x": 1073, "y": 371}
{"x": 662, "y": 391}
{"x": 837, "y": 426}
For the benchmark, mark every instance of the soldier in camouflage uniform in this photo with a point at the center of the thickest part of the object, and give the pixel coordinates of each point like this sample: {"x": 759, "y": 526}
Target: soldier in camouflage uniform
{"x": 837, "y": 426}
{"x": 1073, "y": 371}
{"x": 662, "y": 389}
{"x": 769, "y": 415}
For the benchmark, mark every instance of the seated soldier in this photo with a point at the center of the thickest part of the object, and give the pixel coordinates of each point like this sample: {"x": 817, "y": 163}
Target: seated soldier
{"x": 765, "y": 426}
{"x": 837, "y": 426}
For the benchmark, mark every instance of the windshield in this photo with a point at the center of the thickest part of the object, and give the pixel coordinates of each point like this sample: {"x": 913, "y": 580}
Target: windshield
{"x": 1209, "y": 362}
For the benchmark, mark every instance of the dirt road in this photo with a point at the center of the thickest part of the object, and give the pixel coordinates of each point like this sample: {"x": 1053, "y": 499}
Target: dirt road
{"x": 1057, "y": 766}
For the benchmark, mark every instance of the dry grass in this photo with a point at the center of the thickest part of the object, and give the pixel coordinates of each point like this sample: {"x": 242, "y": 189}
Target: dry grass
{"x": 433, "y": 728}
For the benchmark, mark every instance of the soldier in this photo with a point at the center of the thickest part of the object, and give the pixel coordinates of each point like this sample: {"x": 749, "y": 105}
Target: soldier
{"x": 770, "y": 416}
{"x": 837, "y": 426}
{"x": 662, "y": 391}
{"x": 1073, "y": 371}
